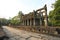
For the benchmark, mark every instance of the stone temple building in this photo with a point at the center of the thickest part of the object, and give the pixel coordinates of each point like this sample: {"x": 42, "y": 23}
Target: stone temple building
{"x": 36, "y": 18}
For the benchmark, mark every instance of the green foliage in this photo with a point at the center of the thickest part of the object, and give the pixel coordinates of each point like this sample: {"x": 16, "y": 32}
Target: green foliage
{"x": 16, "y": 20}
{"x": 20, "y": 15}
{"x": 4, "y": 21}
{"x": 57, "y": 4}
{"x": 54, "y": 15}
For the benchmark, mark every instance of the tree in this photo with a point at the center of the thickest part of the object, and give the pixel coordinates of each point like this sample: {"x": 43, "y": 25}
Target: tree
{"x": 54, "y": 15}
{"x": 16, "y": 20}
{"x": 20, "y": 15}
{"x": 57, "y": 4}
{"x": 3, "y": 21}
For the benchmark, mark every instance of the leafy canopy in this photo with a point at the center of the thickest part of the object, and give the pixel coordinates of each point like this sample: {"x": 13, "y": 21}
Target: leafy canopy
{"x": 54, "y": 15}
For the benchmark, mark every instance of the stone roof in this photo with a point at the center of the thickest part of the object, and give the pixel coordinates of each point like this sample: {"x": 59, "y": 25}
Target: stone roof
{"x": 34, "y": 14}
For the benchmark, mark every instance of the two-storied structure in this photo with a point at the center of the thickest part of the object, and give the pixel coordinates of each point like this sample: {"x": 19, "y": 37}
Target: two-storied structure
{"x": 36, "y": 18}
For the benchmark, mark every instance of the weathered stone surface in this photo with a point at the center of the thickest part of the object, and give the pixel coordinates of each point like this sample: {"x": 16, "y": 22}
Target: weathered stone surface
{"x": 2, "y": 33}
{"x": 34, "y": 38}
{"x": 16, "y": 34}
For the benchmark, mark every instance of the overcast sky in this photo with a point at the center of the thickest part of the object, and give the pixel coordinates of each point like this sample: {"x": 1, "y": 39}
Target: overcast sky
{"x": 10, "y": 8}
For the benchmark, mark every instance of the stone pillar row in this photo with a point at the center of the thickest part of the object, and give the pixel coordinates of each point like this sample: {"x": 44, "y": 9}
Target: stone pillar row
{"x": 31, "y": 22}
{"x": 28, "y": 22}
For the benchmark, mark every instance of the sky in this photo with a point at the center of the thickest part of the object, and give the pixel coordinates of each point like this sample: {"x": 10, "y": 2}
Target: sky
{"x": 10, "y": 8}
